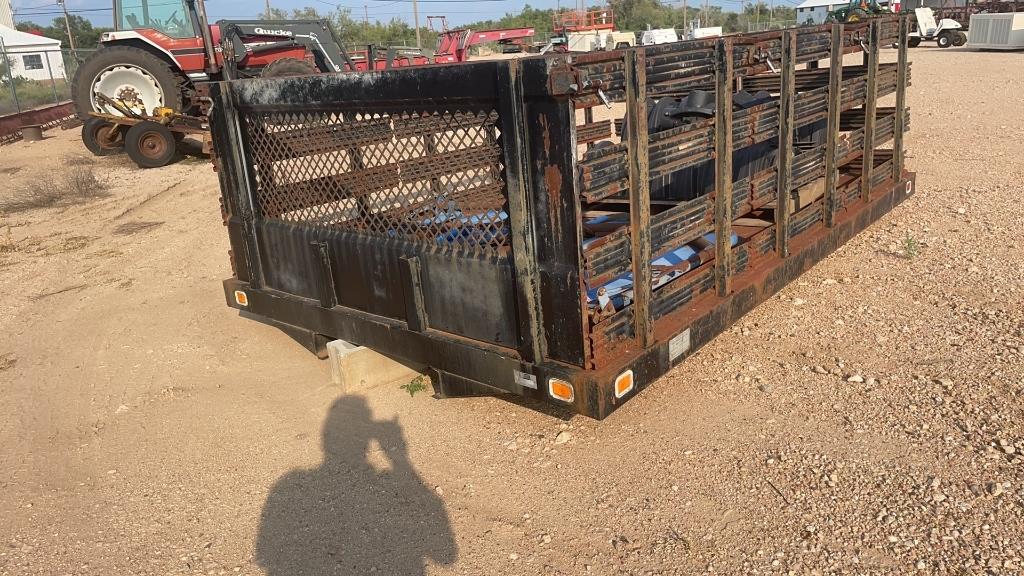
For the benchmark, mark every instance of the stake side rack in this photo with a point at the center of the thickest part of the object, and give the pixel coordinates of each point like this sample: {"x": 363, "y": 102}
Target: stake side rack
{"x": 482, "y": 218}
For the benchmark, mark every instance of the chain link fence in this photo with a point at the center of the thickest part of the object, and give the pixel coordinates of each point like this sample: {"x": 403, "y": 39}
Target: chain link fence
{"x": 34, "y": 76}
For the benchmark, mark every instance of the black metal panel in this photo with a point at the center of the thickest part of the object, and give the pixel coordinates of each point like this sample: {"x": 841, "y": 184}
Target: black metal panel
{"x": 475, "y": 81}
{"x": 471, "y": 297}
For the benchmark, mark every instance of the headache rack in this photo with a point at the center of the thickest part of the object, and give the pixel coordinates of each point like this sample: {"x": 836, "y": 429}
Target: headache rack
{"x": 563, "y": 227}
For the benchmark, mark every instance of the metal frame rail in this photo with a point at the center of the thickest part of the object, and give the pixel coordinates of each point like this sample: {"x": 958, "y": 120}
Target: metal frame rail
{"x": 450, "y": 226}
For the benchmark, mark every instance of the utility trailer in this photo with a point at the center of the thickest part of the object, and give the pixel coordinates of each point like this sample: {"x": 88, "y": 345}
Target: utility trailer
{"x": 484, "y": 219}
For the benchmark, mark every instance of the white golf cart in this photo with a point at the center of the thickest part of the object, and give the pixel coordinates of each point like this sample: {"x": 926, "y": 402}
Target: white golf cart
{"x": 945, "y": 33}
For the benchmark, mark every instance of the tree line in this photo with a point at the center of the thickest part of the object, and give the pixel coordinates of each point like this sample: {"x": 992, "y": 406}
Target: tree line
{"x": 630, "y": 15}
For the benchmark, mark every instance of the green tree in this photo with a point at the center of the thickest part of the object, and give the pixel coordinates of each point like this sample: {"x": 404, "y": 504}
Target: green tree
{"x": 86, "y": 36}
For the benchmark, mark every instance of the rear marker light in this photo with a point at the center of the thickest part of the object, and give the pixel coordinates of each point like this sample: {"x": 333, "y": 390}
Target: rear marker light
{"x": 623, "y": 383}
{"x": 560, "y": 390}
{"x": 241, "y": 298}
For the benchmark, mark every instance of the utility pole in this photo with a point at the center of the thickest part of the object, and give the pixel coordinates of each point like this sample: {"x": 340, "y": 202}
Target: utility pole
{"x": 416, "y": 21}
{"x": 686, "y": 23}
{"x": 67, "y": 26}
{"x": 366, "y": 16}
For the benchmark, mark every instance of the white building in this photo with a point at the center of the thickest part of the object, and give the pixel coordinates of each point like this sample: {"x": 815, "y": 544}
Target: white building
{"x": 6, "y": 14}
{"x": 31, "y": 56}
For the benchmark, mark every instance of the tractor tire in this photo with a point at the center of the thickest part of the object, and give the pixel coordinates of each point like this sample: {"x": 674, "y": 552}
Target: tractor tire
{"x": 102, "y": 138}
{"x": 288, "y": 67}
{"x": 914, "y": 42}
{"x": 944, "y": 40}
{"x": 155, "y": 77}
{"x": 150, "y": 144}
{"x": 959, "y": 39}
{"x": 856, "y": 15}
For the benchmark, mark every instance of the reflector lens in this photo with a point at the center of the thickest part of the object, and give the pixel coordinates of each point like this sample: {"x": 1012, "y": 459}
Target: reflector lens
{"x": 241, "y": 298}
{"x": 560, "y": 390}
{"x": 624, "y": 383}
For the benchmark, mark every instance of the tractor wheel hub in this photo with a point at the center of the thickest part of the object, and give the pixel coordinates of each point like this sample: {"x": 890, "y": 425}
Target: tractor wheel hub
{"x": 130, "y": 86}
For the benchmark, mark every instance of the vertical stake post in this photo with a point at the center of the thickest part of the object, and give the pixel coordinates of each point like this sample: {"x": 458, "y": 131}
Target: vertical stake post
{"x": 723, "y": 166}
{"x": 870, "y": 105}
{"x": 524, "y": 251}
{"x": 901, "y": 100}
{"x": 835, "y": 98}
{"x": 639, "y": 194}
{"x": 784, "y": 180}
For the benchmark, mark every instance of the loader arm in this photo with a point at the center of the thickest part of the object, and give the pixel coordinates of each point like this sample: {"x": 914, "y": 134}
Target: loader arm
{"x": 247, "y": 43}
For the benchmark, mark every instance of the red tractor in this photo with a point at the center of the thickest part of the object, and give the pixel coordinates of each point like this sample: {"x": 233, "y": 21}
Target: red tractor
{"x": 160, "y": 49}
{"x": 138, "y": 92}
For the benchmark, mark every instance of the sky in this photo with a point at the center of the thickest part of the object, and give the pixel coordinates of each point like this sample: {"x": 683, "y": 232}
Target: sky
{"x": 99, "y": 12}
{"x": 459, "y": 12}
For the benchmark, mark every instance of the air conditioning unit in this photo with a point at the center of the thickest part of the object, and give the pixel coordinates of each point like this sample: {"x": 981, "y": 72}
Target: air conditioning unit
{"x": 997, "y": 31}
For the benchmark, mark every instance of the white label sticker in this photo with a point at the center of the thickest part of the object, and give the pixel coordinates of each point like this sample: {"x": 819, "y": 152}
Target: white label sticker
{"x": 679, "y": 345}
{"x": 525, "y": 380}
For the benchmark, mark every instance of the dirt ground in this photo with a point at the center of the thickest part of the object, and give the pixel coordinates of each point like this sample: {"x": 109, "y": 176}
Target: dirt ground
{"x": 868, "y": 420}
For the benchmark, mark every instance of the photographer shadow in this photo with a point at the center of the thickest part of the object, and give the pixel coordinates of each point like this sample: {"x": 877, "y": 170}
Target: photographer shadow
{"x": 363, "y": 510}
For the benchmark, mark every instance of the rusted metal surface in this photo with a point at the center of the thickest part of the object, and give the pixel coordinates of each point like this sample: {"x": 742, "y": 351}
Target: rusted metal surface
{"x": 612, "y": 250}
{"x": 45, "y": 116}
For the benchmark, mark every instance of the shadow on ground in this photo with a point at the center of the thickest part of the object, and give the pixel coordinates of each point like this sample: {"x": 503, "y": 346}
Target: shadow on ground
{"x": 363, "y": 510}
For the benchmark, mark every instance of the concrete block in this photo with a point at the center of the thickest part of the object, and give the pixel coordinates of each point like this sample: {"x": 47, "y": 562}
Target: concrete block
{"x": 356, "y": 368}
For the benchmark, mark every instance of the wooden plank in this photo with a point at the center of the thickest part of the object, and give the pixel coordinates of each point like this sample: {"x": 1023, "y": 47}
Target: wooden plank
{"x": 901, "y": 99}
{"x": 723, "y": 165}
{"x": 835, "y": 84}
{"x": 639, "y": 195}
{"x": 870, "y": 105}
{"x": 787, "y": 95}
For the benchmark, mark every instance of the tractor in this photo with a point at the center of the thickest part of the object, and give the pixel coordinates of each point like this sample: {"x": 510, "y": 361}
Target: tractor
{"x": 856, "y": 11}
{"x": 161, "y": 49}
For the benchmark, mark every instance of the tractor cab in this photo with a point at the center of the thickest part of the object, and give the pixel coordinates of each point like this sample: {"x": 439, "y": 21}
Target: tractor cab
{"x": 173, "y": 18}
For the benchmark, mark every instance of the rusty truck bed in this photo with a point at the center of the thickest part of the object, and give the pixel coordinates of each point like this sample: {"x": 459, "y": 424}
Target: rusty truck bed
{"x": 564, "y": 227}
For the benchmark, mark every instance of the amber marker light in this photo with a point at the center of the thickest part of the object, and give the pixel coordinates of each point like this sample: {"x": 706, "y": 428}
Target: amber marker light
{"x": 560, "y": 390}
{"x": 623, "y": 383}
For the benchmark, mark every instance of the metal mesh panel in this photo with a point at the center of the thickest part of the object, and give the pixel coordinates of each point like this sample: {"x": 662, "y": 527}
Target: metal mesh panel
{"x": 433, "y": 176}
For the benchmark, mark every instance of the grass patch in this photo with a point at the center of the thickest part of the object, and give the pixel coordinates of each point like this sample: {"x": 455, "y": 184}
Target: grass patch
{"x": 76, "y": 185}
{"x": 418, "y": 384}
{"x": 79, "y": 160}
{"x": 911, "y": 247}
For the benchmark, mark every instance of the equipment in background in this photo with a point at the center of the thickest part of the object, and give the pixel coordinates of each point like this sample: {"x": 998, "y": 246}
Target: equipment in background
{"x": 587, "y": 31}
{"x": 659, "y": 36}
{"x": 997, "y": 31}
{"x": 947, "y": 32}
{"x": 856, "y": 11}
{"x": 161, "y": 49}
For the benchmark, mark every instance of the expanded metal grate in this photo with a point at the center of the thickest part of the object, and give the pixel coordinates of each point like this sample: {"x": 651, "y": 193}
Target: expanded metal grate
{"x": 432, "y": 176}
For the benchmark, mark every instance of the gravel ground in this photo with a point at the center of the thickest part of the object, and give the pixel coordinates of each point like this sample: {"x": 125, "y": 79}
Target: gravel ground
{"x": 867, "y": 420}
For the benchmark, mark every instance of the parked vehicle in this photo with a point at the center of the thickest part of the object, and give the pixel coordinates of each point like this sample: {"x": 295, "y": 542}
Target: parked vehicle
{"x": 947, "y": 32}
